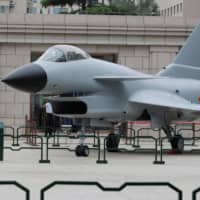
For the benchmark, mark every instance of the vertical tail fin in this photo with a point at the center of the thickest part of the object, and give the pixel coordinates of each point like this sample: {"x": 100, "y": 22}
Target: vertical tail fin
{"x": 187, "y": 62}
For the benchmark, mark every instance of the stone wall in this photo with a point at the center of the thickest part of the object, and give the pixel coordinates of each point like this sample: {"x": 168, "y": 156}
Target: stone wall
{"x": 14, "y": 105}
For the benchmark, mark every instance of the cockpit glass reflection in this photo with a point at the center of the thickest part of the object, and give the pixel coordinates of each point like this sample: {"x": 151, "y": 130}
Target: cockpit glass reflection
{"x": 54, "y": 55}
{"x": 63, "y": 53}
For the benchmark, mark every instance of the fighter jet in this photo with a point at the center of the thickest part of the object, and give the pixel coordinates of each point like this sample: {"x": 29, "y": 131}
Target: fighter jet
{"x": 107, "y": 93}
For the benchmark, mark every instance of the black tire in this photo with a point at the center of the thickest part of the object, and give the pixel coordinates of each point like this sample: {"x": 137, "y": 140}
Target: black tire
{"x": 177, "y": 143}
{"x": 86, "y": 151}
{"x": 82, "y": 150}
{"x": 112, "y": 143}
{"x": 78, "y": 151}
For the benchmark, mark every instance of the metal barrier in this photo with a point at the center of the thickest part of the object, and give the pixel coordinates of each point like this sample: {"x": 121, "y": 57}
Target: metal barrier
{"x": 56, "y": 138}
{"x": 99, "y": 160}
{"x": 96, "y": 135}
{"x": 43, "y": 159}
{"x": 111, "y": 189}
{"x": 41, "y": 148}
{"x": 189, "y": 129}
{"x": 44, "y": 143}
{"x": 143, "y": 129}
{"x": 166, "y": 138}
{"x": 129, "y": 139}
{"x": 156, "y": 161}
{"x": 44, "y": 146}
{"x": 18, "y": 185}
{"x": 12, "y": 135}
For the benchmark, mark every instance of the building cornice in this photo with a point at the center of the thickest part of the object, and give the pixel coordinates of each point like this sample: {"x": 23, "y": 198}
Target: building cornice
{"x": 95, "y": 29}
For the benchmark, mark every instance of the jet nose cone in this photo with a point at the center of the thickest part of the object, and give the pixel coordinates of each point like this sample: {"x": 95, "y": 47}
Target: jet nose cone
{"x": 28, "y": 78}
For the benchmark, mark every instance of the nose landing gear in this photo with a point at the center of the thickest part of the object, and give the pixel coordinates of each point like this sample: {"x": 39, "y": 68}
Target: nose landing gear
{"x": 82, "y": 151}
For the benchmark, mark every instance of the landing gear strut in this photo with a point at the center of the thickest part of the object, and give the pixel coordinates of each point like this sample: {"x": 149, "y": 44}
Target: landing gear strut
{"x": 177, "y": 141}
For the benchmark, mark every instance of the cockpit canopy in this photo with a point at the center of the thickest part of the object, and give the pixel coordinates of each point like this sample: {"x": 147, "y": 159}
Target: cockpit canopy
{"x": 63, "y": 53}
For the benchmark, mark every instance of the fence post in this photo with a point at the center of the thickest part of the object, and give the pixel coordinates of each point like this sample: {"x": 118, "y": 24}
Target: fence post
{"x": 1, "y": 140}
{"x": 46, "y": 160}
{"x": 193, "y": 134}
{"x": 99, "y": 161}
{"x": 160, "y": 161}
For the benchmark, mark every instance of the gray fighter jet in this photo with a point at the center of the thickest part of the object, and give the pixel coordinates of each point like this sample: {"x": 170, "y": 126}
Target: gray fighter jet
{"x": 107, "y": 93}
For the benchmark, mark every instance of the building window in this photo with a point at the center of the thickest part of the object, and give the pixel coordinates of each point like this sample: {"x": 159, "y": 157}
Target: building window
{"x": 56, "y": 10}
{"x": 34, "y": 10}
{"x": 94, "y": 2}
{"x": 2, "y": 9}
{"x": 29, "y": 10}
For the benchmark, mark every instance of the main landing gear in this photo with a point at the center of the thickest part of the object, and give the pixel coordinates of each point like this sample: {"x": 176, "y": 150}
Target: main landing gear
{"x": 112, "y": 143}
{"x": 177, "y": 141}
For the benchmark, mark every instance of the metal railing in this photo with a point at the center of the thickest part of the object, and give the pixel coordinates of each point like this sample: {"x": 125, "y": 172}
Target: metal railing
{"x": 99, "y": 142}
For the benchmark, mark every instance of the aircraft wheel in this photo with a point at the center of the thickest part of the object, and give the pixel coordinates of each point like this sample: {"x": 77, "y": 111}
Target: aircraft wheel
{"x": 78, "y": 151}
{"x": 82, "y": 150}
{"x": 112, "y": 143}
{"x": 86, "y": 151}
{"x": 177, "y": 143}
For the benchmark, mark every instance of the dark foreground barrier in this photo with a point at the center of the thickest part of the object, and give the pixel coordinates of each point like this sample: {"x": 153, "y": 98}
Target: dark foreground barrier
{"x": 111, "y": 189}
{"x": 18, "y": 185}
{"x": 195, "y": 193}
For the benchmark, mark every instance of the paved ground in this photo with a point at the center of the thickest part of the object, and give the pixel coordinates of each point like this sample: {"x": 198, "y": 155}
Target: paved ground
{"x": 183, "y": 171}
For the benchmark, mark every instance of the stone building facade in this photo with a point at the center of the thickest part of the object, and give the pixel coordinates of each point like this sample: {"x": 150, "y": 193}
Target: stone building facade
{"x": 143, "y": 43}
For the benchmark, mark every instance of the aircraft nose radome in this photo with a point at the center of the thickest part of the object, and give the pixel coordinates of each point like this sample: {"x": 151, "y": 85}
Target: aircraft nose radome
{"x": 28, "y": 78}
